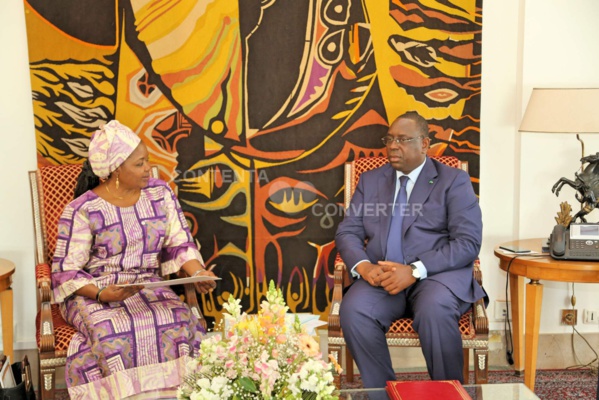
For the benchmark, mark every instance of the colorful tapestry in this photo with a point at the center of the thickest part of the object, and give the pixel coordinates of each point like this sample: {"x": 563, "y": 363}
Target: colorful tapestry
{"x": 250, "y": 109}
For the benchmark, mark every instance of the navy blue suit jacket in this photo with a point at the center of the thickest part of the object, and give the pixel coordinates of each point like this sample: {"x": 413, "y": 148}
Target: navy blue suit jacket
{"x": 442, "y": 226}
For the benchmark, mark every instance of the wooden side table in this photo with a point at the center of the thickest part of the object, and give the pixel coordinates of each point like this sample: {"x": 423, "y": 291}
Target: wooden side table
{"x": 7, "y": 268}
{"x": 537, "y": 269}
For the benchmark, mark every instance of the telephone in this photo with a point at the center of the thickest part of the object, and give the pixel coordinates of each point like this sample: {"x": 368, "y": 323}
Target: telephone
{"x": 578, "y": 242}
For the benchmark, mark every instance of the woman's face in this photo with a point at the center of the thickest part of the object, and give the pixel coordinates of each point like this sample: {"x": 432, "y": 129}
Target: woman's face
{"x": 134, "y": 173}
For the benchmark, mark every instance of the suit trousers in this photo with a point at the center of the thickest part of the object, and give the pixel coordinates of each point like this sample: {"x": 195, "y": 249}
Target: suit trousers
{"x": 367, "y": 313}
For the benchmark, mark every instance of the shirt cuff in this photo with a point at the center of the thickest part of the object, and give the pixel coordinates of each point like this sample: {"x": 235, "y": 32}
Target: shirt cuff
{"x": 353, "y": 271}
{"x": 421, "y": 268}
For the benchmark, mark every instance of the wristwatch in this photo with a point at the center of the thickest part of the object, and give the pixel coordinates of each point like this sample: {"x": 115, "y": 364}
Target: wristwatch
{"x": 415, "y": 272}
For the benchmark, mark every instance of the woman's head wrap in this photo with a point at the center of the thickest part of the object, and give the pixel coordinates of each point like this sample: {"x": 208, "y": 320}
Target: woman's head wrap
{"x": 110, "y": 146}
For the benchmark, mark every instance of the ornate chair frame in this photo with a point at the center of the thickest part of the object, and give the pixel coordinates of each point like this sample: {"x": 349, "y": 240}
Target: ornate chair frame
{"x": 52, "y": 188}
{"x": 474, "y": 325}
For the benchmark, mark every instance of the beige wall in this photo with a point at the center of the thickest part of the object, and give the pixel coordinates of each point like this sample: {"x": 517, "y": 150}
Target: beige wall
{"x": 17, "y": 156}
{"x": 526, "y": 44}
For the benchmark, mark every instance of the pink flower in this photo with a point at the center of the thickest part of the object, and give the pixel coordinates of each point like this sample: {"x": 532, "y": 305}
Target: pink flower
{"x": 308, "y": 345}
{"x": 269, "y": 352}
{"x": 281, "y": 338}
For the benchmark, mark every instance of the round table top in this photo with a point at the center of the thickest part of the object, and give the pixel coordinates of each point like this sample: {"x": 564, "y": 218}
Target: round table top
{"x": 542, "y": 266}
{"x": 7, "y": 268}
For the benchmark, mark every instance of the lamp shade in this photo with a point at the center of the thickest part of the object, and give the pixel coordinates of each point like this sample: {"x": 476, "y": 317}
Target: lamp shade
{"x": 562, "y": 111}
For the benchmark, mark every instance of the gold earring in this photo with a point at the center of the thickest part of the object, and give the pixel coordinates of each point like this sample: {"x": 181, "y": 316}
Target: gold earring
{"x": 117, "y": 182}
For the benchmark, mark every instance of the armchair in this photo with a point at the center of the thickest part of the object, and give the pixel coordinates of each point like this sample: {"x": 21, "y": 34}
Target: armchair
{"x": 473, "y": 325}
{"x": 52, "y": 188}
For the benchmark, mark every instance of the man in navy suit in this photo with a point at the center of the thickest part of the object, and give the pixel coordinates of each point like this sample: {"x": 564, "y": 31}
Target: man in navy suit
{"x": 441, "y": 234}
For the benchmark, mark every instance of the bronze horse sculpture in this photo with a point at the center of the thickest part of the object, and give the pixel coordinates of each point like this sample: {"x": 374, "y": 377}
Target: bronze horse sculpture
{"x": 586, "y": 185}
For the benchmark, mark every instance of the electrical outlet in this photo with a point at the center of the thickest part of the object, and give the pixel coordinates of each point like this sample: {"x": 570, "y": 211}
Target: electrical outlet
{"x": 590, "y": 316}
{"x": 569, "y": 317}
{"x": 502, "y": 309}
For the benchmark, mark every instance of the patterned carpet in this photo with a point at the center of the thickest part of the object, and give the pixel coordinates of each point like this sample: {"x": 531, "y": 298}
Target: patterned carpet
{"x": 550, "y": 384}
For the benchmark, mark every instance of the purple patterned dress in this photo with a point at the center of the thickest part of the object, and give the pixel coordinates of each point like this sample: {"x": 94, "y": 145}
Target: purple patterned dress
{"x": 143, "y": 343}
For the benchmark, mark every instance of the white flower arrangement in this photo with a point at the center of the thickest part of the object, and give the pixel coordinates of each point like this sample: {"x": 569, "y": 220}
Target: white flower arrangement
{"x": 260, "y": 356}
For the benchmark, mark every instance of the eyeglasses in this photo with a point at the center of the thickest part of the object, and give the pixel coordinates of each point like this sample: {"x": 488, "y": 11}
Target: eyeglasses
{"x": 387, "y": 140}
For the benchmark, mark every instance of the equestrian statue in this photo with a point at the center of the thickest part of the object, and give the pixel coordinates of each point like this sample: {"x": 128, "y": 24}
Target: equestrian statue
{"x": 586, "y": 185}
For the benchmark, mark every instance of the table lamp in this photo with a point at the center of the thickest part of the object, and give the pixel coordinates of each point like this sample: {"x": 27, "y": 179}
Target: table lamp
{"x": 566, "y": 110}
{"x": 562, "y": 111}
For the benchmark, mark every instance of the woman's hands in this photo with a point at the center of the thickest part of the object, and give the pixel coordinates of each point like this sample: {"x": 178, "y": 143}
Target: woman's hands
{"x": 195, "y": 268}
{"x": 205, "y": 286}
{"x": 118, "y": 293}
{"x": 108, "y": 293}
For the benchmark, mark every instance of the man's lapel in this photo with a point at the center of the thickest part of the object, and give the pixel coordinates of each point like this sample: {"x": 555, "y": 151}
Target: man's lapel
{"x": 422, "y": 189}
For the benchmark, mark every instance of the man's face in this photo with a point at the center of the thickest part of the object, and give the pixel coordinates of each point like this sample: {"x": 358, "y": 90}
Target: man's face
{"x": 406, "y": 155}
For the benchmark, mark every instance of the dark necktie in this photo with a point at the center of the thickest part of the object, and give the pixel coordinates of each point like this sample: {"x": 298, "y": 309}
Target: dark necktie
{"x": 394, "y": 245}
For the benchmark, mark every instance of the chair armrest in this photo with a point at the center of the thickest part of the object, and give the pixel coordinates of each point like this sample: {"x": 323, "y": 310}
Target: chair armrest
{"x": 47, "y": 338}
{"x": 47, "y": 342}
{"x": 340, "y": 276}
{"x": 191, "y": 299}
{"x": 42, "y": 278}
{"x": 480, "y": 318}
{"x": 479, "y": 312}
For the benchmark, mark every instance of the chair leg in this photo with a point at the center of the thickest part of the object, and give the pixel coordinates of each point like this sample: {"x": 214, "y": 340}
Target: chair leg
{"x": 47, "y": 378}
{"x": 349, "y": 365}
{"x": 481, "y": 366}
{"x": 466, "y": 368}
{"x": 335, "y": 352}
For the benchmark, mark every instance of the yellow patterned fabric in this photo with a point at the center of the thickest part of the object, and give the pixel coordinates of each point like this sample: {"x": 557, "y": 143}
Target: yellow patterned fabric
{"x": 251, "y": 108}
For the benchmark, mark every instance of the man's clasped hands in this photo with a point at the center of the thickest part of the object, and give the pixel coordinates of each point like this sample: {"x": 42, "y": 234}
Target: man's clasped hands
{"x": 391, "y": 276}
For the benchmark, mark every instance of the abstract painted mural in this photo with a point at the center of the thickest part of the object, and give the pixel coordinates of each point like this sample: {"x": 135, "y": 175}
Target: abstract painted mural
{"x": 250, "y": 109}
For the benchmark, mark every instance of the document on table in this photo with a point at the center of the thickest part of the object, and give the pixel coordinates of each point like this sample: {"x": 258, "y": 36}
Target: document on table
{"x": 528, "y": 253}
{"x": 7, "y": 379}
{"x": 309, "y": 321}
{"x": 170, "y": 282}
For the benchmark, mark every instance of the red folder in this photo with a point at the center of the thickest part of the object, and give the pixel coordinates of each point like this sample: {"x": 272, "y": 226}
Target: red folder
{"x": 430, "y": 390}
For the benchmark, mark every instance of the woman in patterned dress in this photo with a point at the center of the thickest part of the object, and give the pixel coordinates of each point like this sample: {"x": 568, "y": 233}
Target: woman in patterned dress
{"x": 124, "y": 227}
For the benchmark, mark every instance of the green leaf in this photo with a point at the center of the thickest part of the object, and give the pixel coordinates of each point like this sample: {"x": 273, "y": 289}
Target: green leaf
{"x": 247, "y": 384}
{"x": 308, "y": 396}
